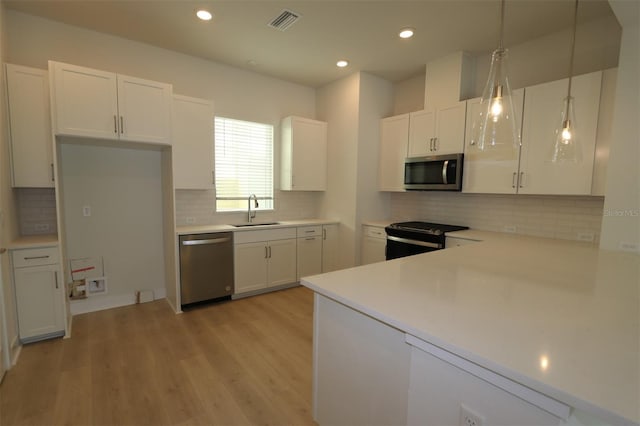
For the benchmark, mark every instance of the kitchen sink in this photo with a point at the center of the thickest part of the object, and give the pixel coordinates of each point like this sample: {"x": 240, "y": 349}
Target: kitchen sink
{"x": 239, "y": 225}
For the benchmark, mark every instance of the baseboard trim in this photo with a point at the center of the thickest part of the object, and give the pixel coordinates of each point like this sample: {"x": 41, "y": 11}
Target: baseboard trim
{"x": 100, "y": 303}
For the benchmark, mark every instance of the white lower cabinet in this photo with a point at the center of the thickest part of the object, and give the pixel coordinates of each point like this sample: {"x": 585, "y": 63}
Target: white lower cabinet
{"x": 264, "y": 258}
{"x": 330, "y": 248}
{"x": 374, "y": 244}
{"x": 309, "y": 251}
{"x": 39, "y": 293}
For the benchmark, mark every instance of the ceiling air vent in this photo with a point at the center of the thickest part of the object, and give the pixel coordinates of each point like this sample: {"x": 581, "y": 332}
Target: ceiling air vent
{"x": 283, "y": 21}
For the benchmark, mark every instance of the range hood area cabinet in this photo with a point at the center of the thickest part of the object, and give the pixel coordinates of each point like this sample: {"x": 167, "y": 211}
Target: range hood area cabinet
{"x": 437, "y": 132}
{"x": 193, "y": 152}
{"x": 30, "y": 127}
{"x": 534, "y": 173}
{"x": 99, "y": 104}
{"x": 303, "y": 154}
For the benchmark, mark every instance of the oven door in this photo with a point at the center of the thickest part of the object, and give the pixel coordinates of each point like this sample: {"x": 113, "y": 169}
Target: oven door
{"x": 402, "y": 247}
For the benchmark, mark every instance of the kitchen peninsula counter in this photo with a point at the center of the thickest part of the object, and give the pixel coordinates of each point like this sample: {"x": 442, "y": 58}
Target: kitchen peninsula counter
{"x": 560, "y": 318}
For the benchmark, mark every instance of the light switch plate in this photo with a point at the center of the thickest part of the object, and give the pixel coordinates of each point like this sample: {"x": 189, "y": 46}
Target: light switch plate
{"x": 86, "y": 211}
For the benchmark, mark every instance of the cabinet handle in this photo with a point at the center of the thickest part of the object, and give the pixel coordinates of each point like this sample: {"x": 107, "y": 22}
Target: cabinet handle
{"x": 310, "y": 239}
{"x": 56, "y": 272}
{"x": 266, "y": 252}
{"x": 521, "y": 180}
{"x": 435, "y": 144}
{"x": 430, "y": 144}
{"x": 269, "y": 252}
{"x": 36, "y": 257}
{"x": 213, "y": 177}
{"x": 324, "y": 233}
{"x": 115, "y": 124}
{"x": 53, "y": 176}
{"x": 513, "y": 180}
{"x": 121, "y": 125}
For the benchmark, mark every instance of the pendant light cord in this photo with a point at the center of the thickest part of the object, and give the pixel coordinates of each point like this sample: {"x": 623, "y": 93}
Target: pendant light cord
{"x": 573, "y": 49}
{"x": 500, "y": 46}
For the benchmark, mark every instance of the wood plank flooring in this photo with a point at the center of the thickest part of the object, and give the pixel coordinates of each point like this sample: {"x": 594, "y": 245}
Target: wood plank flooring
{"x": 242, "y": 362}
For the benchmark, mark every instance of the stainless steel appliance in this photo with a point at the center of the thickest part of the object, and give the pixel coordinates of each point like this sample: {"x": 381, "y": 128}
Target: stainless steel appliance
{"x": 409, "y": 238}
{"x": 433, "y": 173}
{"x": 206, "y": 267}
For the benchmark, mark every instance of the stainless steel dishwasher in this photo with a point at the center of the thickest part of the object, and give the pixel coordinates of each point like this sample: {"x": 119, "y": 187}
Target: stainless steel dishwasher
{"x": 206, "y": 267}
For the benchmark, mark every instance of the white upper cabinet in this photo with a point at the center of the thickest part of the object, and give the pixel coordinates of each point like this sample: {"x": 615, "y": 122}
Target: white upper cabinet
{"x": 437, "y": 132}
{"x": 487, "y": 171}
{"x": 303, "y": 154}
{"x": 98, "y": 104}
{"x": 193, "y": 153}
{"x": 542, "y": 107}
{"x": 394, "y": 136}
{"x": 30, "y": 127}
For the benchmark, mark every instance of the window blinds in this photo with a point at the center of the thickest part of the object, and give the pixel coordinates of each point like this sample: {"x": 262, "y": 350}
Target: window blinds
{"x": 244, "y": 163}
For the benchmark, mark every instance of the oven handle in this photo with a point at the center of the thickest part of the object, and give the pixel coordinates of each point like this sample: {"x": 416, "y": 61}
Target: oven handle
{"x": 414, "y": 242}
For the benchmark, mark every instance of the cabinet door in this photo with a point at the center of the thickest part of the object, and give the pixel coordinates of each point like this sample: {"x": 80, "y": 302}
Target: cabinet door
{"x": 39, "y": 301}
{"x": 330, "y": 248}
{"x": 421, "y": 134}
{"x": 144, "y": 110}
{"x": 373, "y": 250}
{"x": 309, "y": 256}
{"x": 85, "y": 101}
{"x": 450, "y": 129}
{"x": 304, "y": 154}
{"x": 487, "y": 171}
{"x": 282, "y": 262}
{"x": 542, "y": 107}
{"x": 193, "y": 153}
{"x": 250, "y": 266}
{"x": 30, "y": 127}
{"x": 394, "y": 136}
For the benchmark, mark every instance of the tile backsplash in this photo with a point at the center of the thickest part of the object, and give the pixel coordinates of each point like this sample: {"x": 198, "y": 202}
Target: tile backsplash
{"x": 563, "y": 217}
{"x": 36, "y": 211}
{"x": 197, "y": 207}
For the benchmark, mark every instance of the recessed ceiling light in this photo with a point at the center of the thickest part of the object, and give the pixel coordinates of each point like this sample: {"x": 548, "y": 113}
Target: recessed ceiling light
{"x": 406, "y": 33}
{"x": 342, "y": 63}
{"x": 205, "y": 15}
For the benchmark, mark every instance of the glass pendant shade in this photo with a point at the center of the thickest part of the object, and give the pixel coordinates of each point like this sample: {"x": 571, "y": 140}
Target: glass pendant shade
{"x": 566, "y": 146}
{"x": 495, "y": 128}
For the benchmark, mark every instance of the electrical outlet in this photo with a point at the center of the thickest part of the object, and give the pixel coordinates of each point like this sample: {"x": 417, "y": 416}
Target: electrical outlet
{"x": 586, "y": 236}
{"x": 190, "y": 220}
{"x": 627, "y": 246}
{"x": 469, "y": 417}
{"x": 509, "y": 228}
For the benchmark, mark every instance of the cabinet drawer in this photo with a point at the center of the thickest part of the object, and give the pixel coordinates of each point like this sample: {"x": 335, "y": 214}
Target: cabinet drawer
{"x": 375, "y": 232}
{"x": 263, "y": 235}
{"x": 309, "y": 231}
{"x": 34, "y": 257}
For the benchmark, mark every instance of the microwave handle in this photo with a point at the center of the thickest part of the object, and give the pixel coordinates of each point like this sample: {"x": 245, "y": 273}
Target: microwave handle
{"x": 445, "y": 166}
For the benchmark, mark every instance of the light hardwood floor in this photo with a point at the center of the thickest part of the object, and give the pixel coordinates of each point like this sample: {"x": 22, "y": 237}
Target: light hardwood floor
{"x": 242, "y": 362}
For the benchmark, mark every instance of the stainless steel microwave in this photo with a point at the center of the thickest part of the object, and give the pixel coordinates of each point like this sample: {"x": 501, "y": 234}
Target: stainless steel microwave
{"x": 433, "y": 173}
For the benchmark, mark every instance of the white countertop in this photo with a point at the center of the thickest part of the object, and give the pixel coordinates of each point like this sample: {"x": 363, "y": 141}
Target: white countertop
{"x": 33, "y": 241}
{"x": 507, "y": 303}
{"x": 201, "y": 229}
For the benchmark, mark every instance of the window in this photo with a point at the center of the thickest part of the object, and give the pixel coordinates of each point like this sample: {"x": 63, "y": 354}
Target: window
{"x": 244, "y": 164}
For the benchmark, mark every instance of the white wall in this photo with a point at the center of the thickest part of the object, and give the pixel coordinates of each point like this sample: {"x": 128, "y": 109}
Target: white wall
{"x": 8, "y": 222}
{"x": 123, "y": 188}
{"x": 337, "y": 103}
{"x": 376, "y": 100}
{"x": 621, "y": 221}
{"x": 236, "y": 93}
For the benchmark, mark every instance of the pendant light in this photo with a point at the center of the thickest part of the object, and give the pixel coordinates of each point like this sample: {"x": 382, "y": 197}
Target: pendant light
{"x": 495, "y": 127}
{"x": 566, "y": 146}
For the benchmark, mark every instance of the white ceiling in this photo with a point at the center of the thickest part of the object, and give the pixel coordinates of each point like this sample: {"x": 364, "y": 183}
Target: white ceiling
{"x": 362, "y": 31}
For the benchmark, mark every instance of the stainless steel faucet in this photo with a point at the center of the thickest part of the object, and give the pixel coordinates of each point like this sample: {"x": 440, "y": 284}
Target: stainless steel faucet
{"x": 250, "y": 214}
